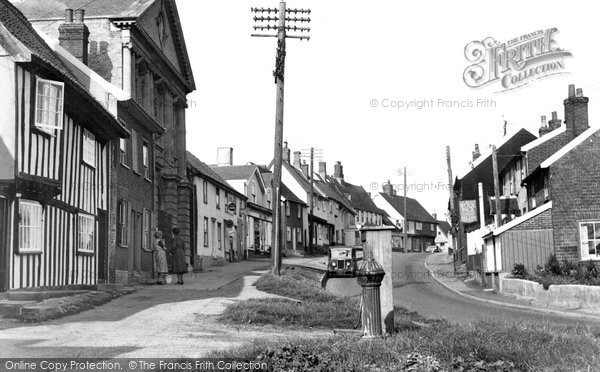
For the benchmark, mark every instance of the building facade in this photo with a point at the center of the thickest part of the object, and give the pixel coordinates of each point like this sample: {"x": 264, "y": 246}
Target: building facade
{"x": 248, "y": 180}
{"x": 420, "y": 227}
{"x": 54, "y": 193}
{"x": 138, "y": 46}
{"x": 218, "y": 219}
{"x": 562, "y": 185}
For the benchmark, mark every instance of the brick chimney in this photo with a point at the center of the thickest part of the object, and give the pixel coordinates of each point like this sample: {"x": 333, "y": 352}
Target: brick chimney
{"x": 323, "y": 170}
{"x": 476, "y": 153}
{"x": 224, "y": 156}
{"x": 338, "y": 171}
{"x": 576, "y": 112}
{"x": 286, "y": 152}
{"x": 388, "y": 188}
{"x": 555, "y": 122}
{"x": 74, "y": 35}
{"x": 297, "y": 155}
{"x": 304, "y": 169}
{"x": 544, "y": 128}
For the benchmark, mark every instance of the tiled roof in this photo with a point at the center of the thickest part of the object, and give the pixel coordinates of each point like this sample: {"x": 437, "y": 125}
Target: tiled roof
{"x": 414, "y": 209}
{"x": 444, "y": 226}
{"x": 569, "y": 147}
{"x": 359, "y": 197}
{"x": 16, "y": 23}
{"x": 204, "y": 170}
{"x": 235, "y": 172}
{"x": 54, "y": 9}
{"x": 482, "y": 172}
{"x": 331, "y": 191}
{"x": 285, "y": 191}
{"x": 298, "y": 176}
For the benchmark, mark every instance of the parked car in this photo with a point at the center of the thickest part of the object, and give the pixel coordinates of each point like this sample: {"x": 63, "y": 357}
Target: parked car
{"x": 432, "y": 248}
{"x": 344, "y": 260}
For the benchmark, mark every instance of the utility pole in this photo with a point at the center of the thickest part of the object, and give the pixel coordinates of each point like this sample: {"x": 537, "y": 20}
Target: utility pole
{"x": 405, "y": 217}
{"x": 497, "y": 201}
{"x": 496, "y": 186}
{"x": 267, "y": 23}
{"x": 453, "y": 218}
{"x": 311, "y": 233}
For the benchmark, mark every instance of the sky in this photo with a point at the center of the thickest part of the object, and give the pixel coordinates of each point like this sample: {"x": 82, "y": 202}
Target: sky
{"x": 362, "y": 59}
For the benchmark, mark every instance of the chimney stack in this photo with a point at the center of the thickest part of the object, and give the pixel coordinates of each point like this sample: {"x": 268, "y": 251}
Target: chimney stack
{"x": 74, "y": 35}
{"x": 323, "y": 170}
{"x": 297, "y": 155}
{"x": 544, "y": 128}
{"x": 286, "y": 152}
{"x": 304, "y": 169}
{"x": 476, "y": 153}
{"x": 224, "y": 156}
{"x": 338, "y": 171}
{"x": 388, "y": 188}
{"x": 576, "y": 112}
{"x": 555, "y": 122}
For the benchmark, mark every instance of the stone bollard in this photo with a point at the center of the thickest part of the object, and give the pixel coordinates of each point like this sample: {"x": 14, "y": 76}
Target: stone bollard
{"x": 370, "y": 276}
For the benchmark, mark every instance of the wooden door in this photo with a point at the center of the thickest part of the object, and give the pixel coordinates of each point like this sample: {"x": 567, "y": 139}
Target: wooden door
{"x": 4, "y": 243}
{"x": 102, "y": 246}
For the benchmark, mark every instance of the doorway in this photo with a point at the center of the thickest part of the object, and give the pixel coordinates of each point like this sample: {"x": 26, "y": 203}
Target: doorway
{"x": 4, "y": 243}
{"x": 102, "y": 246}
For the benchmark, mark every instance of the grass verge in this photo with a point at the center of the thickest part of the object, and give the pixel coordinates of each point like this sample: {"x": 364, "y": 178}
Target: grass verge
{"x": 419, "y": 344}
{"x": 307, "y": 304}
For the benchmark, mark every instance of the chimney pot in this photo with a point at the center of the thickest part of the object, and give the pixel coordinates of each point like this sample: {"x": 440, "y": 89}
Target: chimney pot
{"x": 225, "y": 156}
{"x": 554, "y": 115}
{"x": 323, "y": 170}
{"x": 338, "y": 171}
{"x": 304, "y": 169}
{"x": 544, "y": 123}
{"x": 74, "y": 36}
{"x": 79, "y": 13}
{"x": 297, "y": 155}
{"x": 576, "y": 112}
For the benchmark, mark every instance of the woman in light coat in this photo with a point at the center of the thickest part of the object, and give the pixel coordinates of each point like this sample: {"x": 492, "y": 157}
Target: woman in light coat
{"x": 160, "y": 257}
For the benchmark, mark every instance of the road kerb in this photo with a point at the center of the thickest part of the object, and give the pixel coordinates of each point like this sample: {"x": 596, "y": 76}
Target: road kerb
{"x": 505, "y": 304}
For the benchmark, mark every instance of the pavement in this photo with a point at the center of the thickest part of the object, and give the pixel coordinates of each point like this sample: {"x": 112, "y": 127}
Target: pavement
{"x": 440, "y": 267}
{"x": 158, "y": 321}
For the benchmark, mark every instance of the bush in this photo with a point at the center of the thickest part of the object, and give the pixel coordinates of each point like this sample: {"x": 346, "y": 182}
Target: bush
{"x": 552, "y": 265}
{"x": 519, "y": 271}
{"x": 592, "y": 269}
{"x": 568, "y": 268}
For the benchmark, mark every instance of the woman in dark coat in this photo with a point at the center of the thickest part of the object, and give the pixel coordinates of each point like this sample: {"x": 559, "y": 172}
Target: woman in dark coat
{"x": 178, "y": 251}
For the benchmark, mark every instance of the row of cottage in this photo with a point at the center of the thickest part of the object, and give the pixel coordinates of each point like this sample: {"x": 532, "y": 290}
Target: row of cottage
{"x": 93, "y": 157}
{"x": 234, "y": 210}
{"x": 549, "y": 189}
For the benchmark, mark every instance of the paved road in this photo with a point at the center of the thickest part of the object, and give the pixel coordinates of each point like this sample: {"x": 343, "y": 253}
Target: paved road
{"x": 415, "y": 290}
{"x": 155, "y": 322}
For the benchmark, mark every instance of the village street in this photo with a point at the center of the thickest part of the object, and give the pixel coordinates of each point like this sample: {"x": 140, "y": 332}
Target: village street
{"x": 180, "y": 321}
{"x": 156, "y": 321}
{"x": 416, "y": 290}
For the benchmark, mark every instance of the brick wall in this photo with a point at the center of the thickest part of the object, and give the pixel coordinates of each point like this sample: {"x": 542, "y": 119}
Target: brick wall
{"x": 575, "y": 194}
{"x": 541, "y": 221}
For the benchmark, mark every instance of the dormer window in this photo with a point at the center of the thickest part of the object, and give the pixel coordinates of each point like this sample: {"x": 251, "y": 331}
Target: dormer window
{"x": 49, "y": 105}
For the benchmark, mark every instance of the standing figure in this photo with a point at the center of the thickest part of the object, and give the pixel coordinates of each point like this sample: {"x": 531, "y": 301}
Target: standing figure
{"x": 178, "y": 251}
{"x": 160, "y": 257}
